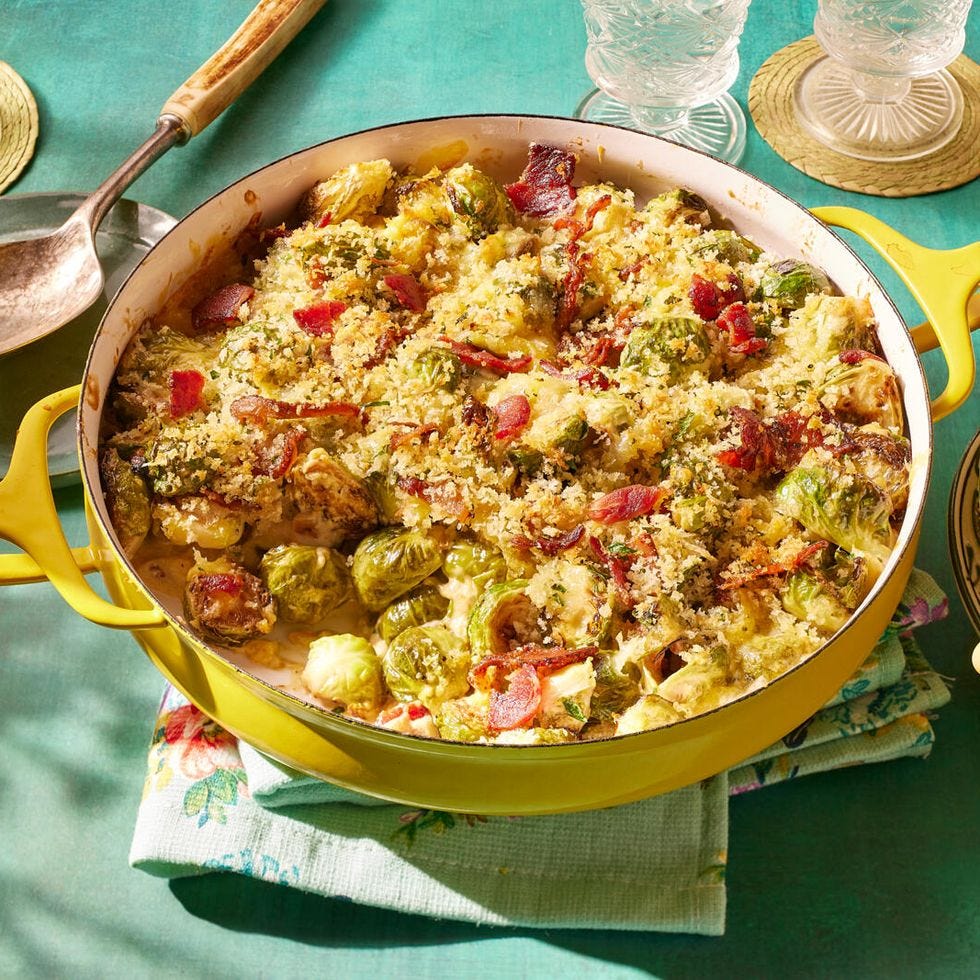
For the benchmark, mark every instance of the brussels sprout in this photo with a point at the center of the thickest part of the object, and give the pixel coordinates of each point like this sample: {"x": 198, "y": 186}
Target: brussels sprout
{"x": 648, "y": 713}
{"x": 427, "y": 664}
{"x": 155, "y": 353}
{"x": 478, "y": 199}
{"x": 227, "y": 602}
{"x": 788, "y": 283}
{"x": 422, "y": 605}
{"x": 381, "y": 485}
{"x": 570, "y": 437}
{"x": 689, "y": 512}
{"x": 526, "y": 461}
{"x": 503, "y": 616}
{"x": 353, "y": 192}
{"x": 685, "y": 205}
{"x": 577, "y": 602}
{"x": 864, "y": 391}
{"x": 465, "y": 719}
{"x": 566, "y": 696}
{"x": 332, "y": 504}
{"x": 729, "y": 246}
{"x": 127, "y": 499}
{"x": 201, "y": 521}
{"x": 438, "y": 369}
{"x": 390, "y": 562}
{"x": 810, "y": 597}
{"x": 667, "y": 346}
{"x": 173, "y": 467}
{"x": 344, "y": 668}
{"x": 534, "y": 736}
{"x": 614, "y": 690}
{"x": 845, "y": 509}
{"x": 307, "y": 583}
{"x": 475, "y": 561}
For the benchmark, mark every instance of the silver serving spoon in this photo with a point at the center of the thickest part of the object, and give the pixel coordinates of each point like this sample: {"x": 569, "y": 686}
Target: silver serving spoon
{"x": 46, "y": 282}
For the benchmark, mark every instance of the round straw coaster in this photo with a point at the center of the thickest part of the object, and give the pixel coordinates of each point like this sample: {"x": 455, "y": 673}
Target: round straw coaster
{"x": 18, "y": 125}
{"x": 773, "y": 112}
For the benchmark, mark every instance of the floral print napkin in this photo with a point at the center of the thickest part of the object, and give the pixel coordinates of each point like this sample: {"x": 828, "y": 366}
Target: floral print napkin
{"x": 212, "y": 804}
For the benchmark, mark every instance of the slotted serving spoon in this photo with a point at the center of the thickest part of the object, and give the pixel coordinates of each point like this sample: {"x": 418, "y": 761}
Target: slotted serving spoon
{"x": 47, "y": 282}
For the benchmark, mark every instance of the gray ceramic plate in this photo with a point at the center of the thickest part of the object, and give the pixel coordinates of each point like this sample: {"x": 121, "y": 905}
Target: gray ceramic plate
{"x": 964, "y": 531}
{"x": 128, "y": 232}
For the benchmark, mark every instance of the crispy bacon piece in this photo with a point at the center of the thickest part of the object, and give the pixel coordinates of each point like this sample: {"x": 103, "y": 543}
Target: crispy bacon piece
{"x": 474, "y": 412}
{"x": 513, "y": 414}
{"x": 408, "y": 291}
{"x": 221, "y": 308}
{"x": 544, "y": 660}
{"x": 590, "y": 377}
{"x": 185, "y": 392}
{"x": 277, "y": 457}
{"x": 579, "y": 228}
{"x": 777, "y": 568}
{"x": 420, "y": 432}
{"x": 709, "y": 299}
{"x": 545, "y": 187}
{"x": 604, "y": 351}
{"x": 741, "y": 329}
{"x": 551, "y": 546}
{"x": 325, "y": 220}
{"x": 625, "y": 503}
{"x": 854, "y": 356}
{"x": 568, "y": 304}
{"x": 445, "y": 495}
{"x": 318, "y": 320}
{"x": 259, "y": 409}
{"x": 517, "y": 706}
{"x": 770, "y": 447}
{"x": 480, "y": 358}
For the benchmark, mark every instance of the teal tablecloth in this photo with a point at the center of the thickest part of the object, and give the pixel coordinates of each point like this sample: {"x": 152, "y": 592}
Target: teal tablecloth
{"x": 872, "y": 872}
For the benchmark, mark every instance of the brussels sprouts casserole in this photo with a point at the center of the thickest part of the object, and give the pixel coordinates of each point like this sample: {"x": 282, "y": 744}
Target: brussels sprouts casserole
{"x": 519, "y": 464}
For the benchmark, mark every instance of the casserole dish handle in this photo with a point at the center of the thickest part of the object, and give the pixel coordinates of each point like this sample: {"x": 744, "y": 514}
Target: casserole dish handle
{"x": 943, "y": 283}
{"x": 28, "y": 519}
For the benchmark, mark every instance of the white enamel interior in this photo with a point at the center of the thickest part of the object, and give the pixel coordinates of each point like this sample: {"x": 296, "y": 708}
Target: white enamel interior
{"x": 499, "y": 144}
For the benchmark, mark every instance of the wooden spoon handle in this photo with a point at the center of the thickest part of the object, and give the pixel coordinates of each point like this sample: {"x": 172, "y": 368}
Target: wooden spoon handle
{"x": 231, "y": 69}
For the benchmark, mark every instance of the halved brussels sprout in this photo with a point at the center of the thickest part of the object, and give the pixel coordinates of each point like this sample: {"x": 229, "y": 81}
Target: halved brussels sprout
{"x": 344, "y": 668}
{"x": 685, "y": 205}
{"x": 307, "y": 583}
{"x": 845, "y": 509}
{"x": 502, "y": 617}
{"x": 577, "y": 602}
{"x": 390, "y": 562}
{"x": 667, "y": 345}
{"x": 427, "y": 664}
{"x": 227, "y": 602}
{"x": 422, "y": 605}
{"x": 464, "y": 719}
{"x": 127, "y": 499}
{"x": 155, "y": 353}
{"x": 475, "y": 561}
{"x": 615, "y": 691}
{"x": 526, "y": 461}
{"x": 566, "y": 696}
{"x": 648, "y": 713}
{"x": 729, "y": 246}
{"x": 199, "y": 520}
{"x": 689, "y": 512}
{"x": 381, "y": 485}
{"x": 439, "y": 369}
{"x": 788, "y": 283}
{"x": 331, "y": 502}
{"x": 478, "y": 199}
{"x": 864, "y": 391}
{"x": 810, "y": 597}
{"x": 353, "y": 192}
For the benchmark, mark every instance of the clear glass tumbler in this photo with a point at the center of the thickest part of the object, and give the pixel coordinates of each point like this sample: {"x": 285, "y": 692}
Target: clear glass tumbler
{"x": 881, "y": 93}
{"x": 665, "y": 67}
